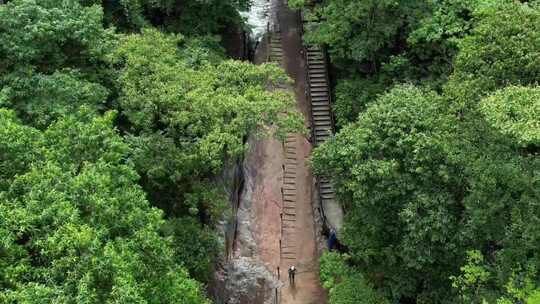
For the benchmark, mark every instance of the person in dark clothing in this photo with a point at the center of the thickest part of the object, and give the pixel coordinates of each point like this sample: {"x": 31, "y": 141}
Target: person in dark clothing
{"x": 292, "y": 272}
{"x": 332, "y": 239}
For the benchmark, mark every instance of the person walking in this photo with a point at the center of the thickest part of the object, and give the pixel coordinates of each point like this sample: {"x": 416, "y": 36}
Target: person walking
{"x": 332, "y": 239}
{"x": 292, "y": 272}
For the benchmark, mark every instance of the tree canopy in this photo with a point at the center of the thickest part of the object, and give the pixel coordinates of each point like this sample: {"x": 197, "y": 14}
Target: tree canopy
{"x": 438, "y": 175}
{"x": 76, "y": 226}
{"x": 118, "y": 119}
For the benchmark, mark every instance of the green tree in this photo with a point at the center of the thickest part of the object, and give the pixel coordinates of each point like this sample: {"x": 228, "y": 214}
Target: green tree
{"x": 76, "y": 227}
{"x": 437, "y": 185}
{"x": 52, "y": 58}
{"x": 422, "y": 185}
{"x": 363, "y": 31}
{"x": 515, "y": 112}
{"x": 17, "y": 147}
{"x": 375, "y": 45}
{"x": 344, "y": 284}
{"x": 353, "y": 96}
{"x": 477, "y": 278}
{"x": 196, "y": 246}
{"x": 48, "y": 35}
{"x": 393, "y": 172}
{"x": 188, "y": 17}
{"x": 503, "y": 49}
{"x": 433, "y": 44}
{"x": 187, "y": 118}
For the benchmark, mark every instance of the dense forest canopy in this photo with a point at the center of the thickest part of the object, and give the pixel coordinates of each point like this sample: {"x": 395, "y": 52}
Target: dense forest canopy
{"x": 117, "y": 118}
{"x": 437, "y": 158}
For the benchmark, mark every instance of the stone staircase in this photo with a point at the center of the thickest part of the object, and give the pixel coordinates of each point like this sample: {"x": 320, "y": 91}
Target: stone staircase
{"x": 322, "y": 128}
{"x": 288, "y": 209}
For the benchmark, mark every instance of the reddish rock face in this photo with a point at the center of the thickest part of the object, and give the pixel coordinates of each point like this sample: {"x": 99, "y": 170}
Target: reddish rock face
{"x": 276, "y": 222}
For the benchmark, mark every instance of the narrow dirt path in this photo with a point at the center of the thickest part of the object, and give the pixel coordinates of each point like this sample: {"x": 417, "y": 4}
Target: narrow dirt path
{"x": 276, "y": 227}
{"x": 299, "y": 246}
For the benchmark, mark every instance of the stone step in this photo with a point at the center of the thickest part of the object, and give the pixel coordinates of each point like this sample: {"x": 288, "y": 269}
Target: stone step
{"x": 289, "y": 208}
{"x": 289, "y": 187}
{"x": 328, "y": 195}
{"x": 323, "y": 133}
{"x": 289, "y": 205}
{"x": 289, "y": 217}
{"x": 317, "y": 71}
{"x": 320, "y": 103}
{"x": 290, "y": 181}
{"x": 321, "y": 124}
{"x": 322, "y": 119}
{"x": 314, "y": 56}
{"x": 313, "y": 79}
{"x": 320, "y": 94}
{"x": 322, "y": 138}
{"x": 317, "y": 81}
{"x": 319, "y": 89}
{"x": 319, "y": 108}
{"x": 289, "y": 174}
{"x": 327, "y": 190}
{"x": 317, "y": 75}
{"x": 321, "y": 113}
{"x": 289, "y": 196}
{"x": 325, "y": 182}
{"x": 318, "y": 85}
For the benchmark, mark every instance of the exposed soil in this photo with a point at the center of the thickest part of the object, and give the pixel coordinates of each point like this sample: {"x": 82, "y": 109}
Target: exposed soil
{"x": 275, "y": 221}
{"x": 307, "y": 288}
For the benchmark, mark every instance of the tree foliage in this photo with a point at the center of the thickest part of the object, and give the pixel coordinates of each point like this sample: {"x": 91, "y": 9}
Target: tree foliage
{"x": 17, "y": 147}
{"x": 503, "y": 49}
{"x": 187, "y": 118}
{"x": 394, "y": 170}
{"x": 52, "y": 58}
{"x": 76, "y": 227}
{"x": 374, "y": 45}
{"x": 346, "y": 286}
{"x": 514, "y": 111}
{"x": 362, "y": 31}
{"x": 419, "y": 190}
{"x": 441, "y": 189}
{"x": 189, "y": 17}
{"x": 118, "y": 118}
